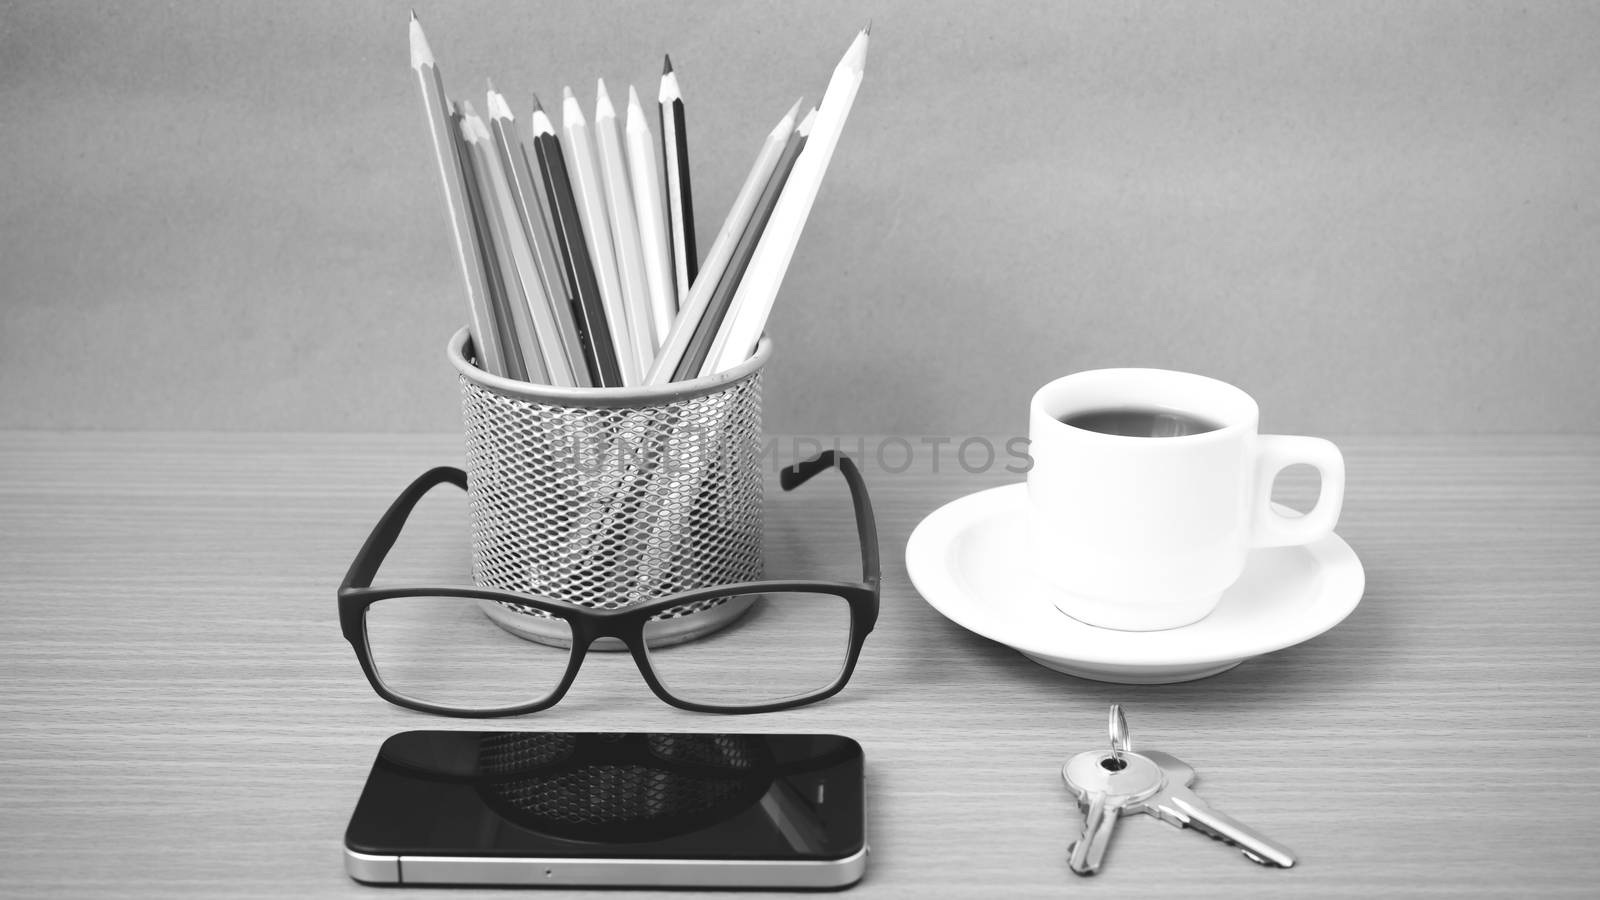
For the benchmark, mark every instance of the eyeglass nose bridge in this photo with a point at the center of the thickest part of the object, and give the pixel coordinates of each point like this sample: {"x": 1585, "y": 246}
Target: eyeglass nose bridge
{"x": 607, "y": 643}
{"x": 622, "y": 635}
{"x": 620, "y": 630}
{"x": 609, "y": 633}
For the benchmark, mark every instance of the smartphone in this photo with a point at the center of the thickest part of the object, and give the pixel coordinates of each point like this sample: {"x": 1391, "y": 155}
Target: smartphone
{"x": 609, "y": 809}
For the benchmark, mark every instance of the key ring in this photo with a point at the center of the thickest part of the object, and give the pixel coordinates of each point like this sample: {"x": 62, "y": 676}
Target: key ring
{"x": 1120, "y": 741}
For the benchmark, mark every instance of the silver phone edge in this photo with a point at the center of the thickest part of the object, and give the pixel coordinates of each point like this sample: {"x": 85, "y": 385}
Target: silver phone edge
{"x": 567, "y": 872}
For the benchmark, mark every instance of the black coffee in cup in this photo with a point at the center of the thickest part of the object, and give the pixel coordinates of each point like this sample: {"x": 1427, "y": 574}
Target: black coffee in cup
{"x": 1140, "y": 422}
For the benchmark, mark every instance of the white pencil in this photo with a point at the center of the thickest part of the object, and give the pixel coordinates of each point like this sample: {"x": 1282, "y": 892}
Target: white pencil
{"x": 624, "y": 228}
{"x": 694, "y": 307}
{"x": 759, "y": 288}
{"x": 484, "y": 328}
{"x": 652, "y": 214}
{"x": 591, "y": 194}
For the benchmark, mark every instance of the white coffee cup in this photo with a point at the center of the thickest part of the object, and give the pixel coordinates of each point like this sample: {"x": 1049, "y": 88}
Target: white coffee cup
{"x": 1145, "y": 533}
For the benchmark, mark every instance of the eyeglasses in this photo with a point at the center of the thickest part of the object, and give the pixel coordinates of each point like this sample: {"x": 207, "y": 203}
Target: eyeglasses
{"x": 439, "y": 649}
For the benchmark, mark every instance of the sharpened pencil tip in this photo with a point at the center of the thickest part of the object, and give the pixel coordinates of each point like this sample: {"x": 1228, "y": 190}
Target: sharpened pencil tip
{"x": 537, "y": 106}
{"x": 670, "y": 92}
{"x": 785, "y": 125}
{"x": 635, "y": 116}
{"x": 566, "y": 93}
{"x": 868, "y": 29}
{"x": 421, "y": 53}
{"x": 856, "y": 57}
{"x": 602, "y": 102}
{"x": 668, "y": 67}
{"x": 540, "y": 123}
{"x": 498, "y": 107}
{"x": 571, "y": 110}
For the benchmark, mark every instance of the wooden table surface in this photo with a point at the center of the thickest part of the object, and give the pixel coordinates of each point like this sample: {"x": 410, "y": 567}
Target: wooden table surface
{"x": 179, "y": 714}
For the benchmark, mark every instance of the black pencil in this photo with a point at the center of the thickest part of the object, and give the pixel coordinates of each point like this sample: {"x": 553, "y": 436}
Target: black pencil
{"x": 587, "y": 311}
{"x": 694, "y": 358}
{"x": 680, "y": 199}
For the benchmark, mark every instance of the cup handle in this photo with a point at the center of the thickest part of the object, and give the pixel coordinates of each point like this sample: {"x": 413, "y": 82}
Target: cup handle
{"x": 1274, "y": 453}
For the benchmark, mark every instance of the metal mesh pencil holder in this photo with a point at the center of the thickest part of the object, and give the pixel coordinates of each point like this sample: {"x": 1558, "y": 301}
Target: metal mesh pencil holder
{"x": 607, "y": 497}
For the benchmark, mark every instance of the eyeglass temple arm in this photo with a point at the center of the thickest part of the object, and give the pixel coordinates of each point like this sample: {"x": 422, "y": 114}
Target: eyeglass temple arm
{"x": 866, "y": 526}
{"x": 387, "y": 531}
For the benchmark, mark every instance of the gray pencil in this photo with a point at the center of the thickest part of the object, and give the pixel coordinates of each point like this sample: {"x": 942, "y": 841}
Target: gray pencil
{"x": 694, "y": 359}
{"x": 519, "y": 208}
{"x": 523, "y": 361}
{"x": 482, "y": 323}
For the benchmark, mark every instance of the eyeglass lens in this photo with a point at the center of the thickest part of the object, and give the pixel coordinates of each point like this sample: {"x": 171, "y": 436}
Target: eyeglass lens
{"x": 447, "y": 651}
{"x": 785, "y": 645}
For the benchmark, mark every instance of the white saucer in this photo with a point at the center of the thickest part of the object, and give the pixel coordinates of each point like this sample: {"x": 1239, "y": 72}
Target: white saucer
{"x": 968, "y": 560}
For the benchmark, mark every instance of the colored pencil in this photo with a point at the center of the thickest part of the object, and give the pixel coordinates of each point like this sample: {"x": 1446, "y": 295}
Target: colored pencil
{"x": 591, "y": 197}
{"x": 652, "y": 215}
{"x": 481, "y": 322}
{"x": 707, "y": 335}
{"x": 624, "y": 229}
{"x": 588, "y": 309}
{"x": 551, "y": 315}
{"x": 680, "y": 196}
{"x": 563, "y": 300}
{"x": 759, "y": 288}
{"x": 536, "y": 322}
{"x": 694, "y": 306}
{"x": 523, "y": 361}
{"x": 500, "y": 315}
{"x": 582, "y": 270}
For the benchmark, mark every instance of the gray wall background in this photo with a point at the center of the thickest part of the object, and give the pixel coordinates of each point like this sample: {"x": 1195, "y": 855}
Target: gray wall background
{"x": 1374, "y": 216}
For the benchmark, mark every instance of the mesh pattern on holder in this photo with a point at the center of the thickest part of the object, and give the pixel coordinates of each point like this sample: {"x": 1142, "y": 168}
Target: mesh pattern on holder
{"x": 606, "y": 505}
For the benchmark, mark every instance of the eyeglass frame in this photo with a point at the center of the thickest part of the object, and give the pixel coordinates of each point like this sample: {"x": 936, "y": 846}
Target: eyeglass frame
{"x": 356, "y": 594}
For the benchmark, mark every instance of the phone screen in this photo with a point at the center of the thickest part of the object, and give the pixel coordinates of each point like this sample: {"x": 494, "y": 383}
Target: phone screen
{"x": 606, "y": 795}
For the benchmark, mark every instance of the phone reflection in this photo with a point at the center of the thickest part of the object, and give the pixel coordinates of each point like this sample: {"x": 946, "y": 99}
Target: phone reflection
{"x": 735, "y": 794}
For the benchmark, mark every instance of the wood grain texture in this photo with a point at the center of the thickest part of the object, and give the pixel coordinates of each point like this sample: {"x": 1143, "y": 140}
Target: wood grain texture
{"x": 183, "y": 718}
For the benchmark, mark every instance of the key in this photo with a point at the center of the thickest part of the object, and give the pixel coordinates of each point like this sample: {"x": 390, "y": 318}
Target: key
{"x": 1106, "y": 785}
{"x": 1175, "y": 804}
{"x": 1117, "y": 727}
